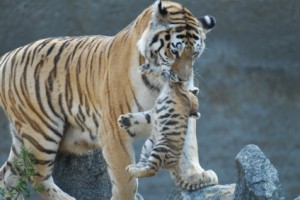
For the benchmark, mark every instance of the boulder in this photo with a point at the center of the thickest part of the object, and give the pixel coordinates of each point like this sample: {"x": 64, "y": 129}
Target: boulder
{"x": 83, "y": 177}
{"x": 257, "y": 177}
{"x": 217, "y": 192}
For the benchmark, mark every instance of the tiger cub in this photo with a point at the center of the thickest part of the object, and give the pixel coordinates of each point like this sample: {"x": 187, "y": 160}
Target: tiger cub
{"x": 169, "y": 121}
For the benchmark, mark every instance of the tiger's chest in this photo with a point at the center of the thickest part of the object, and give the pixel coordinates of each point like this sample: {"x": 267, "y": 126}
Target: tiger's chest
{"x": 147, "y": 89}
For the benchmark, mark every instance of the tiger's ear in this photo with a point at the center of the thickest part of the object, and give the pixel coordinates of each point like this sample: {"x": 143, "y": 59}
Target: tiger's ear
{"x": 159, "y": 12}
{"x": 208, "y": 22}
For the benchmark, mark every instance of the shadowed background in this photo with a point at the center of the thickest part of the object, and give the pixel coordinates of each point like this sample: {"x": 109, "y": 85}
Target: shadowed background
{"x": 249, "y": 75}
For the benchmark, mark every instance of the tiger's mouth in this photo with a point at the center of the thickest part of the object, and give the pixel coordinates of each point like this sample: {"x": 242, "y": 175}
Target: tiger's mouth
{"x": 183, "y": 79}
{"x": 180, "y": 79}
{"x": 183, "y": 67}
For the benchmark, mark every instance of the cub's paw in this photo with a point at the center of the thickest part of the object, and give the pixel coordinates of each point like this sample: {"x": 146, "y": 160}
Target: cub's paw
{"x": 170, "y": 75}
{"x": 140, "y": 171}
{"x": 131, "y": 169}
{"x": 145, "y": 68}
{"x": 125, "y": 122}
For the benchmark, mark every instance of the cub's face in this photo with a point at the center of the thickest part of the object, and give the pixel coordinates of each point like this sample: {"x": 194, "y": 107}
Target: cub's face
{"x": 174, "y": 38}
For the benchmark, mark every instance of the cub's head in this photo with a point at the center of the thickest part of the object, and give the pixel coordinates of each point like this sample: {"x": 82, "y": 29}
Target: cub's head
{"x": 174, "y": 37}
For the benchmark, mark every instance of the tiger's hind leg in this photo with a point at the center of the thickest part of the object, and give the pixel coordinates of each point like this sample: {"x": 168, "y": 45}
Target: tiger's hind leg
{"x": 9, "y": 176}
{"x": 43, "y": 147}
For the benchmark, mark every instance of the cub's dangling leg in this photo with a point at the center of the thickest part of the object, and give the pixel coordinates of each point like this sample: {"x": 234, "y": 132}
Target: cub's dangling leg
{"x": 142, "y": 168}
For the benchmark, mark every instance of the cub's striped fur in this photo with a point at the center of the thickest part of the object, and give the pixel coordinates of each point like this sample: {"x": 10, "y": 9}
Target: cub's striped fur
{"x": 169, "y": 121}
{"x": 65, "y": 94}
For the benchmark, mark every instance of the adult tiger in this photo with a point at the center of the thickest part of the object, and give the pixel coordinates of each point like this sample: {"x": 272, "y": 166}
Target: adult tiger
{"x": 67, "y": 93}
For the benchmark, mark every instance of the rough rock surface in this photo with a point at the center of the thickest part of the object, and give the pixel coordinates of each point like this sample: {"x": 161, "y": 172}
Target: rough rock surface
{"x": 86, "y": 178}
{"x": 83, "y": 177}
{"x": 257, "y": 177}
{"x": 217, "y": 192}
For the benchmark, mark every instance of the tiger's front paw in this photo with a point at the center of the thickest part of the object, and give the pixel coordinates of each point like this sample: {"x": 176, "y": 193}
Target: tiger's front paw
{"x": 204, "y": 178}
{"x": 125, "y": 122}
{"x": 209, "y": 177}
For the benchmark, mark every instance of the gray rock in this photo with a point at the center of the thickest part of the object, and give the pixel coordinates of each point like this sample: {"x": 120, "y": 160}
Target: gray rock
{"x": 217, "y": 192}
{"x": 83, "y": 177}
{"x": 257, "y": 177}
{"x": 298, "y": 198}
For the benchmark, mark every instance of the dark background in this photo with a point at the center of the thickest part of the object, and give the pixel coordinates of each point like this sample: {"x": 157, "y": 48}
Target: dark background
{"x": 249, "y": 75}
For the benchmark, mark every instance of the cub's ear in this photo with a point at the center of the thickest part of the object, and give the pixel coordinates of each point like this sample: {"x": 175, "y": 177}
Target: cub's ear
{"x": 208, "y": 22}
{"x": 159, "y": 12}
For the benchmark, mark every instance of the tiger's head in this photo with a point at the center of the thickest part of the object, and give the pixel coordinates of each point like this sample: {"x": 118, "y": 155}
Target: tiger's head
{"x": 174, "y": 38}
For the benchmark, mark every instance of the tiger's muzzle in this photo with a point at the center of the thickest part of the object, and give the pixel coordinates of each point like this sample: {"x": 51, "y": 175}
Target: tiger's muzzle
{"x": 183, "y": 65}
